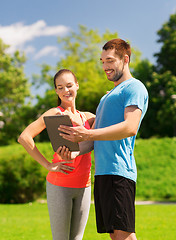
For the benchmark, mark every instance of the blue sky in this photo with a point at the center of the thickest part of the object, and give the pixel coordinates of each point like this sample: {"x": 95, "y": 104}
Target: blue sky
{"x": 33, "y": 26}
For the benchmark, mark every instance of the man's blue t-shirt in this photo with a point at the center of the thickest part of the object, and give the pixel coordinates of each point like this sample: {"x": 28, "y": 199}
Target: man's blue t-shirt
{"x": 116, "y": 157}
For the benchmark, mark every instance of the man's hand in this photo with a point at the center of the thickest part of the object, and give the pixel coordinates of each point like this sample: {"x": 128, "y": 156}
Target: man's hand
{"x": 74, "y": 134}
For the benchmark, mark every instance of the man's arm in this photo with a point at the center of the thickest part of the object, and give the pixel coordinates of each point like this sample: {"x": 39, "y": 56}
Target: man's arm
{"x": 122, "y": 130}
{"x": 125, "y": 129}
{"x": 84, "y": 146}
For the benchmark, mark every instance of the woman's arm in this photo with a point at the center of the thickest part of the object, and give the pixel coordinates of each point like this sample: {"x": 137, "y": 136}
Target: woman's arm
{"x": 26, "y": 140}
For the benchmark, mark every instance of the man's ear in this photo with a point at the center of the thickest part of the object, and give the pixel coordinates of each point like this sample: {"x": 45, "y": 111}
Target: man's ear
{"x": 126, "y": 59}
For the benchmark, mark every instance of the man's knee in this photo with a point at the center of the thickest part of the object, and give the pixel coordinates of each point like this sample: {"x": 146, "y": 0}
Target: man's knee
{"x": 122, "y": 235}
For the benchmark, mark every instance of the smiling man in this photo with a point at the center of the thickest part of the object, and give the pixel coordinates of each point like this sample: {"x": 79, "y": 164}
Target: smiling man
{"x": 118, "y": 117}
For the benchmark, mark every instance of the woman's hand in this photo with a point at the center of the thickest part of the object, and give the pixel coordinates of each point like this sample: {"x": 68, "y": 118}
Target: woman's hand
{"x": 60, "y": 167}
{"x": 65, "y": 154}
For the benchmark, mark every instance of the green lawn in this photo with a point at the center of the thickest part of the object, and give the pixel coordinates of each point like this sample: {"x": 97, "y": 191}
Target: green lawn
{"x": 31, "y": 221}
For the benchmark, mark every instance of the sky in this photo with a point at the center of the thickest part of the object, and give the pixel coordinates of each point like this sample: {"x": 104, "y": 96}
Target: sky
{"x": 33, "y": 26}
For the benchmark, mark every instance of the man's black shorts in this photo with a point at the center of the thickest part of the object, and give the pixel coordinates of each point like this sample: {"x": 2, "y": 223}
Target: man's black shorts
{"x": 114, "y": 203}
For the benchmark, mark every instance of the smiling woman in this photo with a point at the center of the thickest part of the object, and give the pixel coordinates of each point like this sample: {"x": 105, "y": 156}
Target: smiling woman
{"x": 68, "y": 181}
{"x": 66, "y": 86}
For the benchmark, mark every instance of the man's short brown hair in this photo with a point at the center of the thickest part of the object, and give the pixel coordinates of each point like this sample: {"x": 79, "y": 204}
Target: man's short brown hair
{"x": 121, "y": 47}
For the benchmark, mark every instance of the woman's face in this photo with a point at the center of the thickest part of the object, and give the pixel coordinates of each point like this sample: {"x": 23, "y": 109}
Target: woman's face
{"x": 66, "y": 87}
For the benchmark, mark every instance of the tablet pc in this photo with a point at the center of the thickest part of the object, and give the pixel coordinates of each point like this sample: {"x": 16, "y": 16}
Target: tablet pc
{"x": 52, "y": 123}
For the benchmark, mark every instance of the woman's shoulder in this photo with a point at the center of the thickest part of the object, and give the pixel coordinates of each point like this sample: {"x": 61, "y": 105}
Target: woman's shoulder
{"x": 52, "y": 111}
{"x": 88, "y": 115}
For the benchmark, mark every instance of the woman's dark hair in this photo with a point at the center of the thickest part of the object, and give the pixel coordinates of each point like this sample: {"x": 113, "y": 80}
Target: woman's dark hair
{"x": 58, "y": 74}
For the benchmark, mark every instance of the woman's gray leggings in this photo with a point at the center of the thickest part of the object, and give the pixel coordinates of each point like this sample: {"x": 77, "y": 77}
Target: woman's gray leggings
{"x": 68, "y": 211}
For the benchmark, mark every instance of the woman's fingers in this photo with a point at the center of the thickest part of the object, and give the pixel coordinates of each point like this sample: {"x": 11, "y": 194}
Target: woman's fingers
{"x": 66, "y": 167}
{"x": 62, "y": 167}
{"x": 64, "y": 153}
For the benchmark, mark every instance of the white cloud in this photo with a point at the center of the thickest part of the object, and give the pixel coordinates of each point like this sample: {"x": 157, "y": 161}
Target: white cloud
{"x": 29, "y": 49}
{"x": 18, "y": 34}
{"x": 48, "y": 50}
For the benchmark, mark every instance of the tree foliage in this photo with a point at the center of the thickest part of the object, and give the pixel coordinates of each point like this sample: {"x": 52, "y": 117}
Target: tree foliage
{"x": 160, "y": 118}
{"x": 160, "y": 81}
{"x": 14, "y": 89}
{"x": 166, "y": 58}
{"x": 81, "y": 54}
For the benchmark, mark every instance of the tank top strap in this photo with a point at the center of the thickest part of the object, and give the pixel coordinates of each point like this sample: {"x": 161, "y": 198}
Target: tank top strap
{"x": 82, "y": 114}
{"x": 61, "y": 110}
{"x": 83, "y": 117}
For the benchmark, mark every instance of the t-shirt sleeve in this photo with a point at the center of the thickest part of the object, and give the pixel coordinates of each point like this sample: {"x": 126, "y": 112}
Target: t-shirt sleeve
{"x": 136, "y": 94}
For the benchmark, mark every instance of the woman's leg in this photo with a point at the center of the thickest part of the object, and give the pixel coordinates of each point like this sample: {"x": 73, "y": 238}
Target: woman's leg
{"x": 59, "y": 201}
{"x": 80, "y": 213}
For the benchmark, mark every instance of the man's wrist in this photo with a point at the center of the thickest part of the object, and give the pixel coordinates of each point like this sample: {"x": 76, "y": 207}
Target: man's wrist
{"x": 90, "y": 135}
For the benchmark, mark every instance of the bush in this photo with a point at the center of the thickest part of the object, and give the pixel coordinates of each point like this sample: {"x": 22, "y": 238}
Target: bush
{"x": 21, "y": 178}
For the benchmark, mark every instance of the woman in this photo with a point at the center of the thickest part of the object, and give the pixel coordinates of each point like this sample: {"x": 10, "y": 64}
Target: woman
{"x": 68, "y": 182}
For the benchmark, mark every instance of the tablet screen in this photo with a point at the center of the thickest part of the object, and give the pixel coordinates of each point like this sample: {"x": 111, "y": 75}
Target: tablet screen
{"x": 52, "y": 123}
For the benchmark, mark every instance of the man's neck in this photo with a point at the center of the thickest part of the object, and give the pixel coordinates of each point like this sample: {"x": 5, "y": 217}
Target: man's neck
{"x": 123, "y": 78}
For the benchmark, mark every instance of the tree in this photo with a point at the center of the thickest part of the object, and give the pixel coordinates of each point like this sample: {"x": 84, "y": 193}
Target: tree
{"x": 166, "y": 58}
{"x": 143, "y": 71}
{"x": 81, "y": 54}
{"x": 160, "y": 119}
{"x": 160, "y": 81}
{"x": 14, "y": 89}
{"x": 166, "y": 117}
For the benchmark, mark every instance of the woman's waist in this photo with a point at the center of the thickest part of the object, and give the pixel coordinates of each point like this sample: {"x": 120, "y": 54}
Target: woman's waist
{"x": 70, "y": 180}
{"x": 84, "y": 160}
{"x": 81, "y": 164}
{"x": 78, "y": 169}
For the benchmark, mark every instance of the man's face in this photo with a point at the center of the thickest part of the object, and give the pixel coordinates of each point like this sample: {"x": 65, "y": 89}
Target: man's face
{"x": 112, "y": 65}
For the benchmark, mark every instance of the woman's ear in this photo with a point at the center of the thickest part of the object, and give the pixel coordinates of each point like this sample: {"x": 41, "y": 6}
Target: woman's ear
{"x": 77, "y": 86}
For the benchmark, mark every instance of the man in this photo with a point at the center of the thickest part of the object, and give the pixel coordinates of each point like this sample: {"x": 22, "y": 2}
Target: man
{"x": 118, "y": 118}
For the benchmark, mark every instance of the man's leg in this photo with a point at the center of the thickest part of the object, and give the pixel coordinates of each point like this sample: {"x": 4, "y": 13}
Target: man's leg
{"x": 121, "y": 235}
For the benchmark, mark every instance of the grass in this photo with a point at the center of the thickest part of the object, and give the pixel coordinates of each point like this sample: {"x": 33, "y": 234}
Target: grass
{"x": 31, "y": 221}
{"x": 156, "y": 222}
{"x": 24, "y": 221}
{"x": 155, "y": 159}
{"x": 156, "y": 181}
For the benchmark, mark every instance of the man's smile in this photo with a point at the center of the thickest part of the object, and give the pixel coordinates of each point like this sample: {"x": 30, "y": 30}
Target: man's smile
{"x": 109, "y": 71}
